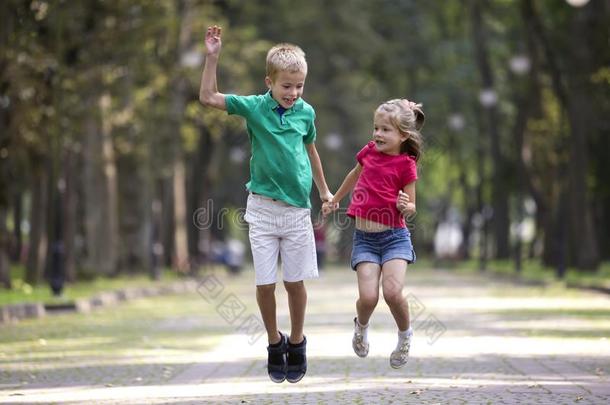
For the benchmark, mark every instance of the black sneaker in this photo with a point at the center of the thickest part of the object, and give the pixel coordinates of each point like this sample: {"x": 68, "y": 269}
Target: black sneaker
{"x": 297, "y": 361}
{"x": 276, "y": 360}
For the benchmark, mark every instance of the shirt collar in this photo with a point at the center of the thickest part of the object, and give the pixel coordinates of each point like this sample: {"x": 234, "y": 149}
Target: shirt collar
{"x": 272, "y": 104}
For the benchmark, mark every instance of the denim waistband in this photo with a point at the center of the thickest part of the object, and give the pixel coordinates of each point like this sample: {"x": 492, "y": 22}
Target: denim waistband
{"x": 380, "y": 235}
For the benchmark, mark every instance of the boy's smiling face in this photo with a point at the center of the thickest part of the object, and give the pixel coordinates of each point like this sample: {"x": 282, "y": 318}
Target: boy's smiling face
{"x": 287, "y": 87}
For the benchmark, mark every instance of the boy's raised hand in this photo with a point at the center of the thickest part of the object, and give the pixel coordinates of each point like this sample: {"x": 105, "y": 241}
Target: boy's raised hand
{"x": 212, "y": 40}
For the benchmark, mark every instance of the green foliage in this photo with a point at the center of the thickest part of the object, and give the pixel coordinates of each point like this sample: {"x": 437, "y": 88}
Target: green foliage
{"x": 60, "y": 59}
{"x": 537, "y": 272}
{"x": 24, "y": 292}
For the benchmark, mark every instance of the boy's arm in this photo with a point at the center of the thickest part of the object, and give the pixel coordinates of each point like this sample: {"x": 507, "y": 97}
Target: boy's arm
{"x": 318, "y": 173}
{"x": 208, "y": 91}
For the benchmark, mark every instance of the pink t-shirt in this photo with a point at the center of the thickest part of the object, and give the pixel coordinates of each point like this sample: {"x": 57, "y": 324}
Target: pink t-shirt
{"x": 374, "y": 197}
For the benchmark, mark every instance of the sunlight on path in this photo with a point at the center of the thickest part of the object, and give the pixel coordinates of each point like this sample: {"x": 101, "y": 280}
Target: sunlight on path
{"x": 486, "y": 347}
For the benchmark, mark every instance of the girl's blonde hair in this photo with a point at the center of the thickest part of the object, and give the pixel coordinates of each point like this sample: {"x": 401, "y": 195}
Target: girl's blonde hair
{"x": 408, "y": 118}
{"x": 285, "y": 57}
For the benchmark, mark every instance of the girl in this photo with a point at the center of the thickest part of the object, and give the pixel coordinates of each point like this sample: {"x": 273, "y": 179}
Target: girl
{"x": 384, "y": 180}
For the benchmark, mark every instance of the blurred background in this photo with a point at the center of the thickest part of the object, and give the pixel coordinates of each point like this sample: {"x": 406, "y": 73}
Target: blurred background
{"x": 109, "y": 165}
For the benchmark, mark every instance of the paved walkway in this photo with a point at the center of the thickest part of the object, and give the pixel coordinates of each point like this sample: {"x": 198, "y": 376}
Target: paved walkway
{"x": 477, "y": 341}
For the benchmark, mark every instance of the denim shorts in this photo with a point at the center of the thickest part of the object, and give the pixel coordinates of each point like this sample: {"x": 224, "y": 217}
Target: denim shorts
{"x": 379, "y": 247}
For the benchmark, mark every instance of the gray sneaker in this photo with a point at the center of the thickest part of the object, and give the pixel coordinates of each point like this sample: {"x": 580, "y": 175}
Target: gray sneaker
{"x": 400, "y": 355}
{"x": 360, "y": 343}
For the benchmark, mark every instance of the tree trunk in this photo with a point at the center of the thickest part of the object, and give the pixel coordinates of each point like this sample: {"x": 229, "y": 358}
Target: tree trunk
{"x": 37, "y": 249}
{"x": 110, "y": 183}
{"x": 5, "y": 264}
{"x": 481, "y": 206}
{"x": 181, "y": 259}
{"x": 582, "y": 121}
{"x": 17, "y": 245}
{"x": 469, "y": 204}
{"x": 577, "y": 107}
{"x": 500, "y": 218}
{"x": 6, "y": 27}
{"x": 70, "y": 213}
{"x": 166, "y": 191}
{"x": 201, "y": 184}
{"x": 100, "y": 193}
{"x": 135, "y": 217}
{"x": 582, "y": 231}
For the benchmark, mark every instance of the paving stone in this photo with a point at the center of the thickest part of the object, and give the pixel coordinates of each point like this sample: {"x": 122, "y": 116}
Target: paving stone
{"x": 483, "y": 356}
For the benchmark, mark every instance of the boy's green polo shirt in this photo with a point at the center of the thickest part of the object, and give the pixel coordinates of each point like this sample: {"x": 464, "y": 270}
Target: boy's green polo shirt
{"x": 279, "y": 166}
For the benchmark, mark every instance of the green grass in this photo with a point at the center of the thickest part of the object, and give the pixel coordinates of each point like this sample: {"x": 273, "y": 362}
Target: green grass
{"x": 143, "y": 341}
{"x": 534, "y": 271}
{"x": 541, "y": 313}
{"x": 22, "y": 292}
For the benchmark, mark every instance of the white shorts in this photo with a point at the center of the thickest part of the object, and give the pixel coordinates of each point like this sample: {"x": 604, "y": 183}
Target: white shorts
{"x": 279, "y": 230}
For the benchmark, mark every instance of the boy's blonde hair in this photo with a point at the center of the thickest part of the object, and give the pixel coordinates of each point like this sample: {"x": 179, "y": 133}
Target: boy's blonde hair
{"x": 408, "y": 117}
{"x": 285, "y": 57}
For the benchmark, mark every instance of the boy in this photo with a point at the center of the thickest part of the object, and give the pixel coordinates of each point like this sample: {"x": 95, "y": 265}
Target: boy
{"x": 282, "y": 134}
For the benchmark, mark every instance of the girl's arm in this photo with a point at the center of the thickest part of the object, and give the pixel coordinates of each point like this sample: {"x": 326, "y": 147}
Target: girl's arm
{"x": 208, "y": 91}
{"x": 348, "y": 184}
{"x": 318, "y": 173}
{"x": 405, "y": 202}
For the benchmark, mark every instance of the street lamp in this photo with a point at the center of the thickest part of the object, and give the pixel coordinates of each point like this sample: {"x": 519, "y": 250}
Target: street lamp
{"x": 488, "y": 97}
{"x": 577, "y": 3}
{"x": 333, "y": 141}
{"x": 456, "y": 122}
{"x": 237, "y": 155}
{"x": 191, "y": 58}
{"x": 519, "y": 64}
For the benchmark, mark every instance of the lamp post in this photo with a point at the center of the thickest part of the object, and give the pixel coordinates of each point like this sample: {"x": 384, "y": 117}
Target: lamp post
{"x": 488, "y": 99}
{"x": 519, "y": 65}
{"x": 456, "y": 124}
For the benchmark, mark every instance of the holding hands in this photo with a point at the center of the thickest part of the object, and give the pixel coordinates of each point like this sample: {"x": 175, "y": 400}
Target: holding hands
{"x": 326, "y": 197}
{"x": 403, "y": 204}
{"x": 329, "y": 206}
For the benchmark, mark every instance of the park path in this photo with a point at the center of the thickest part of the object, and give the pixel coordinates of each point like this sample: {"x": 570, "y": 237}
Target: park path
{"x": 477, "y": 341}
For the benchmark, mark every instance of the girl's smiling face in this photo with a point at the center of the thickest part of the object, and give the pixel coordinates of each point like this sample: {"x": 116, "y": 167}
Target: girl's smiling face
{"x": 387, "y": 137}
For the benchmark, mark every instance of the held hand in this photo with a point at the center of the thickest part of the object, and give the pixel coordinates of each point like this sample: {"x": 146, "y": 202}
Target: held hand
{"x": 402, "y": 201}
{"x": 328, "y": 207}
{"x": 404, "y": 204}
{"x": 213, "y": 42}
{"x": 327, "y": 196}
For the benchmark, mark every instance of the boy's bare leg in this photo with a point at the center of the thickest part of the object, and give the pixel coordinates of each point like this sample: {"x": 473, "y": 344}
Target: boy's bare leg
{"x": 297, "y": 302}
{"x": 265, "y": 296}
{"x": 368, "y": 290}
{"x": 392, "y": 283}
